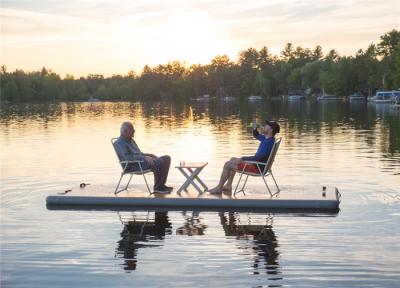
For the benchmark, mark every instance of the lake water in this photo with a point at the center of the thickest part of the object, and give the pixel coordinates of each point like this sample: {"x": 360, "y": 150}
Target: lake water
{"x": 48, "y": 148}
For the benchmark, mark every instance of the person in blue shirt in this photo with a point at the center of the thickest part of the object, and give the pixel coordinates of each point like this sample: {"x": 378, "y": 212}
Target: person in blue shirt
{"x": 267, "y": 141}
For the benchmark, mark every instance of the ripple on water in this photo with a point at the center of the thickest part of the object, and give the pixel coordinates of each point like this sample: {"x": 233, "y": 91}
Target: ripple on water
{"x": 50, "y": 148}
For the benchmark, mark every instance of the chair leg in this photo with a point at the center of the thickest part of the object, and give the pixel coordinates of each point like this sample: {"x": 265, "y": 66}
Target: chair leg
{"x": 145, "y": 223}
{"x": 120, "y": 217}
{"x": 119, "y": 182}
{"x": 237, "y": 185}
{"x": 277, "y": 187}
{"x": 127, "y": 184}
{"x": 265, "y": 181}
{"x": 244, "y": 185}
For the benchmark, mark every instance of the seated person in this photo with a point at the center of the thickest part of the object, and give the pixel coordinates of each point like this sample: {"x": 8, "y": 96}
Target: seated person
{"x": 264, "y": 149}
{"x": 128, "y": 150}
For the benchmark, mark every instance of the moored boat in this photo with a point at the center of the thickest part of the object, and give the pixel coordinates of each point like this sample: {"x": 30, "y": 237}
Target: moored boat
{"x": 296, "y": 97}
{"x": 384, "y": 97}
{"x": 396, "y": 102}
{"x": 203, "y": 98}
{"x": 91, "y": 99}
{"x": 229, "y": 98}
{"x": 254, "y": 98}
{"x": 357, "y": 96}
{"x": 327, "y": 97}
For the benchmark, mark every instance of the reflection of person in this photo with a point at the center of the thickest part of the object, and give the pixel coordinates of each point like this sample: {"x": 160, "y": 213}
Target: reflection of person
{"x": 264, "y": 241}
{"x": 128, "y": 150}
{"x": 264, "y": 149}
{"x": 139, "y": 231}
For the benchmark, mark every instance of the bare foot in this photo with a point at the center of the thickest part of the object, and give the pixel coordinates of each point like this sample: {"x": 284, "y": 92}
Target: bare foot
{"x": 215, "y": 190}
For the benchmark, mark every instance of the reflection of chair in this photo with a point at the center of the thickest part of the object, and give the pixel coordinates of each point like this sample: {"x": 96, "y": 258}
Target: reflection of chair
{"x": 140, "y": 231}
{"x": 264, "y": 170}
{"x": 140, "y": 222}
{"x": 126, "y": 164}
{"x": 257, "y": 237}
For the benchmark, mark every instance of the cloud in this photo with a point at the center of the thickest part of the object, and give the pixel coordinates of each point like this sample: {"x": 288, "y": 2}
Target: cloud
{"x": 108, "y": 37}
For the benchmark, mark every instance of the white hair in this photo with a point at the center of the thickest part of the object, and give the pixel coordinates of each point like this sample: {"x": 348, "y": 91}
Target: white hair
{"x": 125, "y": 126}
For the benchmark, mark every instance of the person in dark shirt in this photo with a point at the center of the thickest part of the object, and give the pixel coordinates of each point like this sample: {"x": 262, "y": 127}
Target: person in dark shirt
{"x": 128, "y": 150}
{"x": 267, "y": 141}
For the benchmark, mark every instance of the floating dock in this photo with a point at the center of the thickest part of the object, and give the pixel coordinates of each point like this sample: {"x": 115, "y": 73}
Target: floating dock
{"x": 290, "y": 198}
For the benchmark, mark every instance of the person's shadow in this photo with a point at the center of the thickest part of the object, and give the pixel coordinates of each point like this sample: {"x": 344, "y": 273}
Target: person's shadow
{"x": 260, "y": 239}
{"x": 137, "y": 230}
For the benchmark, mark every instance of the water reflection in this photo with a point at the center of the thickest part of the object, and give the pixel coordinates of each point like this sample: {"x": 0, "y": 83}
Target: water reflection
{"x": 255, "y": 236}
{"x": 355, "y": 146}
{"x": 192, "y": 225}
{"x": 141, "y": 231}
{"x": 302, "y": 116}
{"x": 367, "y": 130}
{"x": 258, "y": 239}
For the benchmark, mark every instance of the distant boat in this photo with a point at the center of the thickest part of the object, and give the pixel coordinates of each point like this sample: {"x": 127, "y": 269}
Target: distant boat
{"x": 396, "y": 101}
{"x": 91, "y": 99}
{"x": 327, "y": 97}
{"x": 383, "y": 97}
{"x": 203, "y": 98}
{"x": 254, "y": 98}
{"x": 296, "y": 97}
{"x": 357, "y": 96}
{"x": 229, "y": 98}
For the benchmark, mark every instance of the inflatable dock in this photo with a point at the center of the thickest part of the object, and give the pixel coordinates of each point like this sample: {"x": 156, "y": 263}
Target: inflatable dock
{"x": 290, "y": 198}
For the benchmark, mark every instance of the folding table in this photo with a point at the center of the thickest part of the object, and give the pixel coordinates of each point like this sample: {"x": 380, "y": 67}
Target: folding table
{"x": 191, "y": 171}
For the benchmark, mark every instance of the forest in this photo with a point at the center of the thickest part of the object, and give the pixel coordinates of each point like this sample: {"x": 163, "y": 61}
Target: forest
{"x": 254, "y": 72}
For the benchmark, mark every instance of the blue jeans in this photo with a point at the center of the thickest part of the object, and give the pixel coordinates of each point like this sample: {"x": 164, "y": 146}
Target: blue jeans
{"x": 160, "y": 169}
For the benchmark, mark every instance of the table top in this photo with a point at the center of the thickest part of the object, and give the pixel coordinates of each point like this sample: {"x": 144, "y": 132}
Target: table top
{"x": 185, "y": 164}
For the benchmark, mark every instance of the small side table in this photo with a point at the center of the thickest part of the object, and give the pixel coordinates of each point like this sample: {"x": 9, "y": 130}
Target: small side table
{"x": 191, "y": 171}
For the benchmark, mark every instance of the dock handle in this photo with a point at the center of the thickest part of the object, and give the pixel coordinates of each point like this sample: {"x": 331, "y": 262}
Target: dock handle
{"x": 338, "y": 195}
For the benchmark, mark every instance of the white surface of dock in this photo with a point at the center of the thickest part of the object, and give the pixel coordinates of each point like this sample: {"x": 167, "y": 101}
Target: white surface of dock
{"x": 311, "y": 197}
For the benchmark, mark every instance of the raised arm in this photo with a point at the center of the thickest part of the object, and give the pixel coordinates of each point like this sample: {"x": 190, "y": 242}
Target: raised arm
{"x": 257, "y": 135}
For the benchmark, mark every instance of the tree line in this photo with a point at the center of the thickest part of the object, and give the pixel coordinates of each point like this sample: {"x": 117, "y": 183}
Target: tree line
{"x": 254, "y": 72}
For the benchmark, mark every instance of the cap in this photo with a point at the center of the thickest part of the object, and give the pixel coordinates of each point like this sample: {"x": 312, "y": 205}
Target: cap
{"x": 274, "y": 125}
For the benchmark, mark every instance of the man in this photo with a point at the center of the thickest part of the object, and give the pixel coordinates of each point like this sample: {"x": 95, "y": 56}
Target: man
{"x": 128, "y": 150}
{"x": 264, "y": 149}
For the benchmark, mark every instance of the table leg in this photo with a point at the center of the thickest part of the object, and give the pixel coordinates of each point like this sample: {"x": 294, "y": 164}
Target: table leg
{"x": 186, "y": 183}
{"x": 198, "y": 178}
{"x": 190, "y": 179}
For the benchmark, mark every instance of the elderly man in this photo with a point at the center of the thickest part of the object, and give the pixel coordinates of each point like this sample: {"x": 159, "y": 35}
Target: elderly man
{"x": 128, "y": 150}
{"x": 264, "y": 149}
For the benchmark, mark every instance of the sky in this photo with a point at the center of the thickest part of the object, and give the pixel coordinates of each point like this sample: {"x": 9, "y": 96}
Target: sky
{"x": 113, "y": 37}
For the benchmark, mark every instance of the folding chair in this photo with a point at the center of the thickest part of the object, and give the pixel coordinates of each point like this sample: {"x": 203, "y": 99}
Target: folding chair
{"x": 125, "y": 172}
{"x": 263, "y": 173}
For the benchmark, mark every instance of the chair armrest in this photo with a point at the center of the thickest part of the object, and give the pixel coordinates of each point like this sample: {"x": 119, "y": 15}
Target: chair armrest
{"x": 127, "y": 162}
{"x": 131, "y": 161}
{"x": 258, "y": 165}
{"x": 254, "y": 162}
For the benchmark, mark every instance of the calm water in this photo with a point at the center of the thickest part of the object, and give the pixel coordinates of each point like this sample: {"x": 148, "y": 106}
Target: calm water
{"x": 46, "y": 149}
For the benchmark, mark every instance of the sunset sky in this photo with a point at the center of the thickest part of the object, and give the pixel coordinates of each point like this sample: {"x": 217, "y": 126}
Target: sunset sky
{"x": 107, "y": 37}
